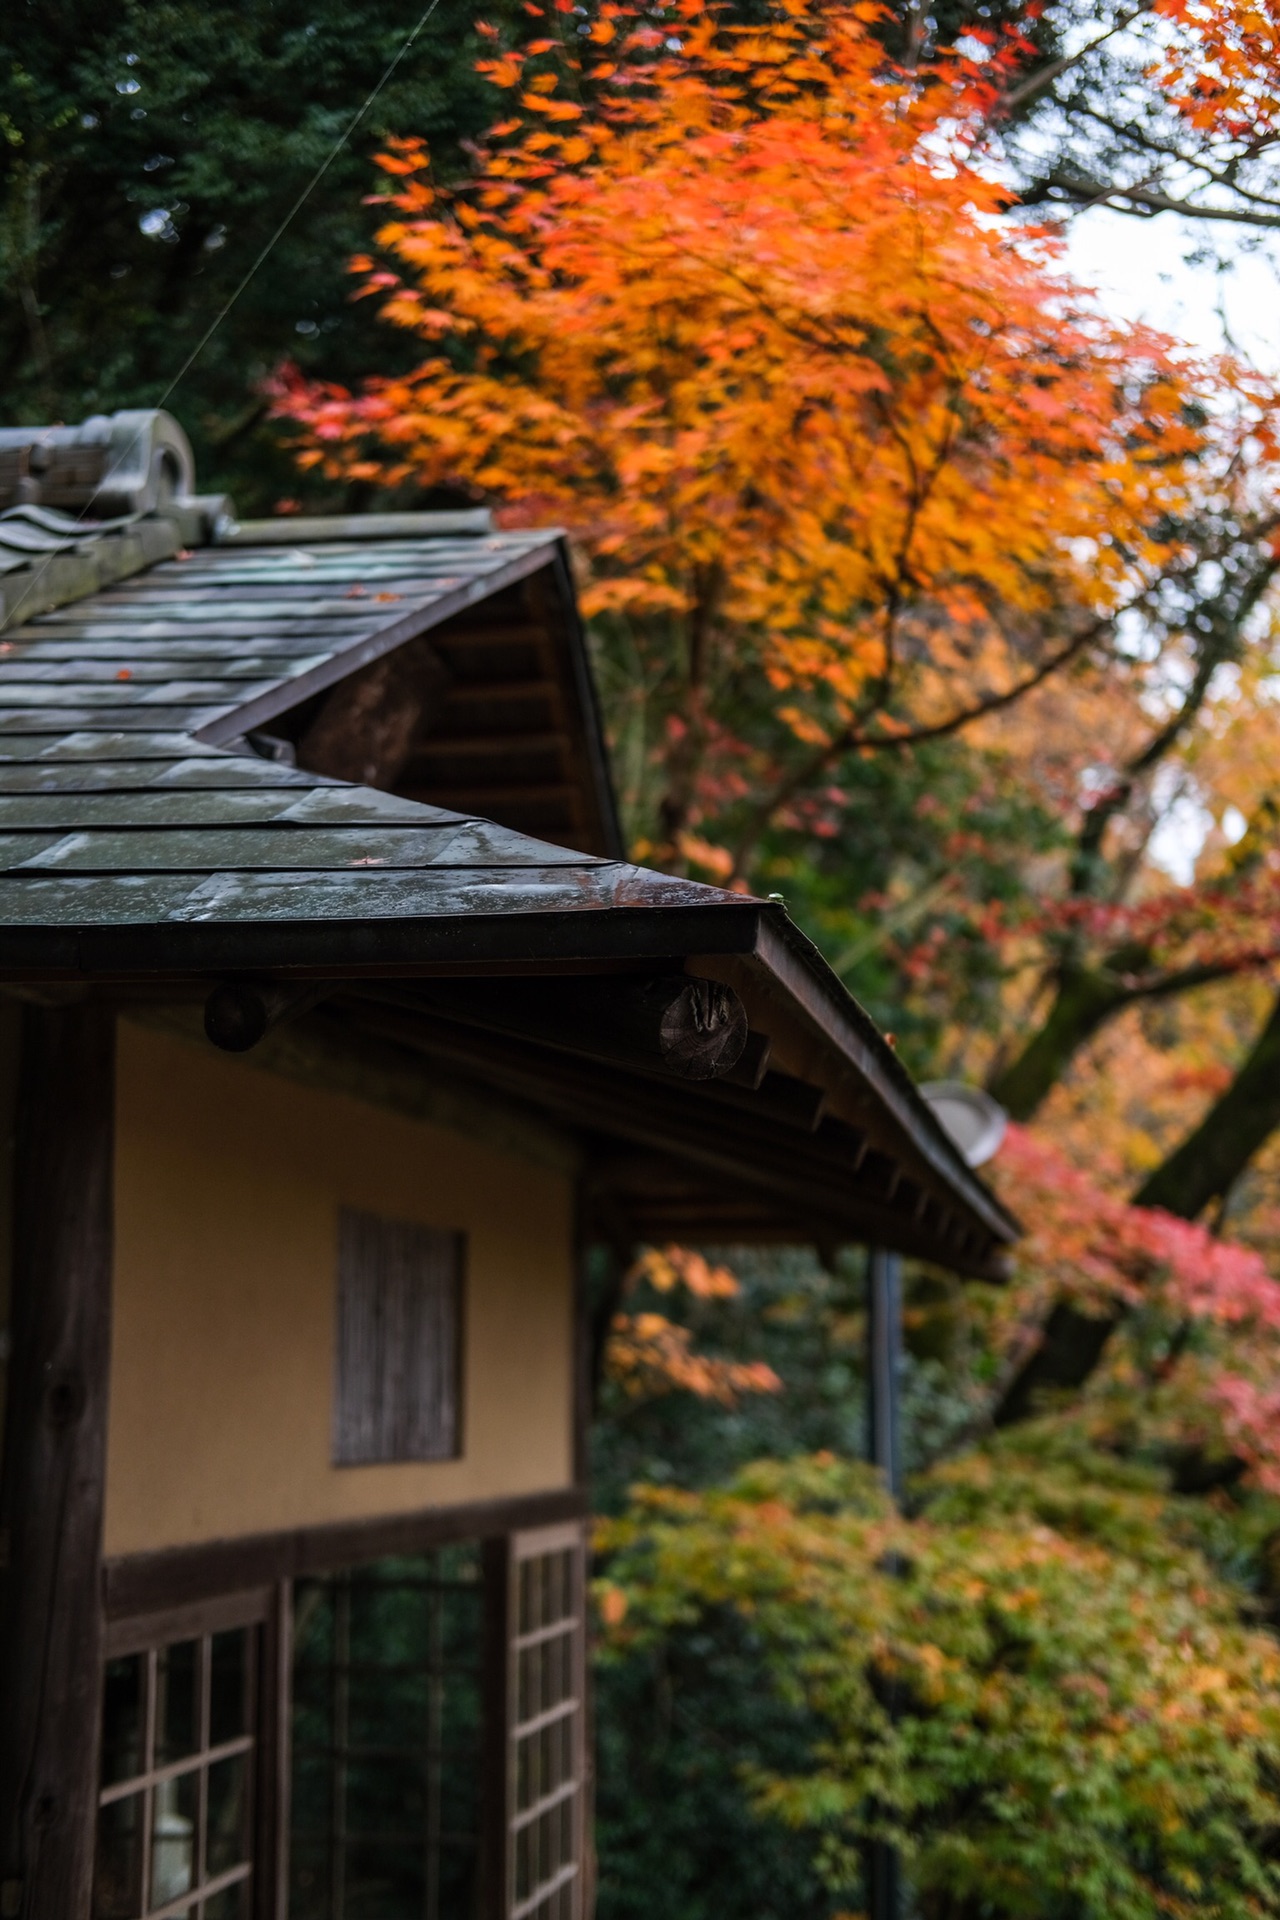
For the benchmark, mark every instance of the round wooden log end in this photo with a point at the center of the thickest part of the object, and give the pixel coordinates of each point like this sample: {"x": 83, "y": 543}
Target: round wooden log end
{"x": 703, "y": 1031}
{"x": 235, "y": 1017}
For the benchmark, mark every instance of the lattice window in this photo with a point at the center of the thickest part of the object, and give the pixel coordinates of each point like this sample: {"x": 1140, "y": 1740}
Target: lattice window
{"x": 398, "y": 1380}
{"x": 387, "y": 1724}
{"x": 546, "y": 1725}
{"x": 177, "y": 1780}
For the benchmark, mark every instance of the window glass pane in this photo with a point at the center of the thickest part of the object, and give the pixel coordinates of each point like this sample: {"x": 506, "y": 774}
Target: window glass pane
{"x": 459, "y": 1711}
{"x": 228, "y": 1686}
{"x": 228, "y": 1806}
{"x": 387, "y": 1795}
{"x": 156, "y": 1849}
{"x": 385, "y": 1882}
{"x": 177, "y": 1701}
{"x": 173, "y": 1838}
{"x": 388, "y": 1709}
{"x": 457, "y": 1868}
{"x": 390, "y": 1625}
{"x": 313, "y": 1622}
{"x": 123, "y": 1707}
{"x": 386, "y": 1731}
{"x": 311, "y": 1802}
{"x": 309, "y": 1880}
{"x": 231, "y": 1904}
{"x": 117, "y": 1867}
{"x": 546, "y": 1842}
{"x": 459, "y": 1804}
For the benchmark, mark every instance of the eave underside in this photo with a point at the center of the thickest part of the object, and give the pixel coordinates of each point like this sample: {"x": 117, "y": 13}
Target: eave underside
{"x": 661, "y": 1157}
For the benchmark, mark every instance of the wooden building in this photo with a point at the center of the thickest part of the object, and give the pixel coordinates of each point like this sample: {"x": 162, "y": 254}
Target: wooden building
{"x": 334, "y": 1027}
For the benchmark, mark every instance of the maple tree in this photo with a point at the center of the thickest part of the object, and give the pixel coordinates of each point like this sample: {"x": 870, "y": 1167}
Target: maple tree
{"x": 1207, "y": 1353}
{"x": 849, "y": 460}
{"x": 1034, "y": 1688}
{"x": 649, "y": 1353}
{"x": 1051, "y": 1683}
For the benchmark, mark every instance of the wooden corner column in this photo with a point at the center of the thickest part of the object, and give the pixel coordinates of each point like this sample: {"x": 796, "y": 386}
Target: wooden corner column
{"x": 52, "y": 1477}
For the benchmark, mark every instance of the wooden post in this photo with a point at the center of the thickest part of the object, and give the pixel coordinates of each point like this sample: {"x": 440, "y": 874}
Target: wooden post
{"x": 884, "y": 1450}
{"x": 495, "y": 1788}
{"x": 51, "y": 1487}
{"x": 884, "y": 1364}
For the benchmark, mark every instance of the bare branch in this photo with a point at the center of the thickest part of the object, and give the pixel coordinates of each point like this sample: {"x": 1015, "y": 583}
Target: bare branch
{"x": 1037, "y": 82}
{"x": 850, "y": 740}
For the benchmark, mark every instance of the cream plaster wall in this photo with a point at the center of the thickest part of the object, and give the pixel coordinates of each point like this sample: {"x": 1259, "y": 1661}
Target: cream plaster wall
{"x": 228, "y": 1184}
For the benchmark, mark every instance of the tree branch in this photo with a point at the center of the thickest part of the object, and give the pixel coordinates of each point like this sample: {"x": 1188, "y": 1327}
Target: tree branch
{"x": 1143, "y": 201}
{"x": 1037, "y": 82}
{"x": 849, "y": 740}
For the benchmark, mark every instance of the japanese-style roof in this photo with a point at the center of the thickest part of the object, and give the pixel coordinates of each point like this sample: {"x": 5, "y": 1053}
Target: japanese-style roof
{"x": 232, "y": 860}
{"x": 149, "y": 843}
{"x": 251, "y": 634}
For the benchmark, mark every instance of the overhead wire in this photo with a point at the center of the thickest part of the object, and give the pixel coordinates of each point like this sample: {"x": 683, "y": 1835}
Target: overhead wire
{"x": 264, "y": 254}
{"x": 297, "y": 206}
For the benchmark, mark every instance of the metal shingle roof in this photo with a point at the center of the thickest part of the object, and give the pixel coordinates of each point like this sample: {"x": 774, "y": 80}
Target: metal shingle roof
{"x": 141, "y": 836}
{"x": 217, "y": 640}
{"x": 129, "y": 799}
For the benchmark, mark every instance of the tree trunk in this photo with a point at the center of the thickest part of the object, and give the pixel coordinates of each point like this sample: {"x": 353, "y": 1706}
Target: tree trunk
{"x": 1083, "y": 1001}
{"x": 1212, "y": 1158}
{"x": 1069, "y": 1350}
{"x": 1202, "y": 1169}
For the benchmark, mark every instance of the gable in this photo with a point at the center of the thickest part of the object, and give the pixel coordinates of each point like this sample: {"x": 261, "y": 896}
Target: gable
{"x": 442, "y": 662}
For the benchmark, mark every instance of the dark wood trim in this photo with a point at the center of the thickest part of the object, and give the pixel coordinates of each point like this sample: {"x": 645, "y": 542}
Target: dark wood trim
{"x": 52, "y": 1491}
{"x": 595, "y": 773}
{"x": 175, "y": 1576}
{"x": 379, "y": 947}
{"x": 826, "y": 1178}
{"x": 582, "y": 1351}
{"x": 792, "y": 961}
{"x": 666, "y": 1024}
{"x": 219, "y": 1612}
{"x": 271, "y": 1801}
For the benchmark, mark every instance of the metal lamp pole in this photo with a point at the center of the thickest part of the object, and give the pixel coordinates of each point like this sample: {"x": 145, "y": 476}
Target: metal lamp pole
{"x": 884, "y": 1450}
{"x": 975, "y": 1125}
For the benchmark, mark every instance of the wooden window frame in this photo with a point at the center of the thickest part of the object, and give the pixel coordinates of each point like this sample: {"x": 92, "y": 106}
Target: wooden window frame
{"x": 171, "y": 1590}
{"x": 506, "y": 1820}
{"x": 265, "y": 1611}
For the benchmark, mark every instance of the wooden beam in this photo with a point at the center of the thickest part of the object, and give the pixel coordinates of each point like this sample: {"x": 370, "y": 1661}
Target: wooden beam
{"x": 51, "y": 1492}
{"x": 813, "y": 1176}
{"x": 695, "y": 1029}
{"x": 780, "y": 1097}
{"x": 178, "y": 1576}
{"x": 752, "y": 1063}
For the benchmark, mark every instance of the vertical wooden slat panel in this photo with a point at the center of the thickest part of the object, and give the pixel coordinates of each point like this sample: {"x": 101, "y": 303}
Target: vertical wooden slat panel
{"x": 51, "y": 1492}
{"x": 397, "y": 1392}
